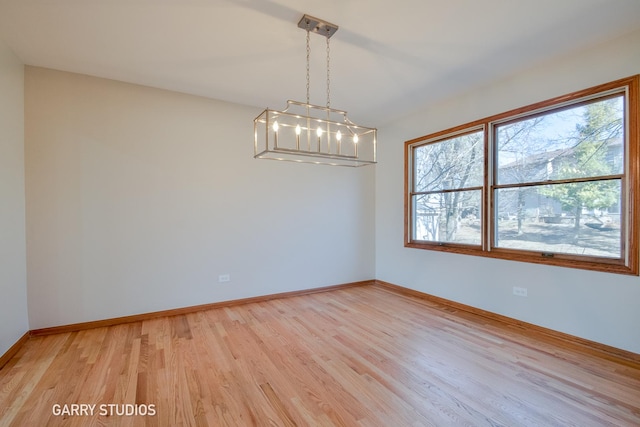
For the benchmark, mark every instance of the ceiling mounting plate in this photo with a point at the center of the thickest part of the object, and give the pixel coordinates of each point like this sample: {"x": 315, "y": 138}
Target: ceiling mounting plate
{"x": 317, "y": 26}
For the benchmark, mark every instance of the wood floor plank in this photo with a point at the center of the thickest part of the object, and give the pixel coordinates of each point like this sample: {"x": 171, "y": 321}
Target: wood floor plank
{"x": 360, "y": 356}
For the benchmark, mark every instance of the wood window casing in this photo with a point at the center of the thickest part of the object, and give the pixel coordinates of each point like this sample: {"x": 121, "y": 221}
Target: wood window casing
{"x": 626, "y": 263}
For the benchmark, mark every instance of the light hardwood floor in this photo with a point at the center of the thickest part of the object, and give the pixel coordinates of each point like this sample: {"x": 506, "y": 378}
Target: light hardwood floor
{"x": 361, "y": 356}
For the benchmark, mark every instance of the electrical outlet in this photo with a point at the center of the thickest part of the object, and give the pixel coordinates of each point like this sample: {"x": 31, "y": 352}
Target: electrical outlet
{"x": 518, "y": 291}
{"x": 224, "y": 278}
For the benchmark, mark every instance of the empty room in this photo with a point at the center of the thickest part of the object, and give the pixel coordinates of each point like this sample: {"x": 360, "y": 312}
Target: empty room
{"x": 340, "y": 213}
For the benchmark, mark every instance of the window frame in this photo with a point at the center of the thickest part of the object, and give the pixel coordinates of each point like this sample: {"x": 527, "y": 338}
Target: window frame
{"x": 630, "y": 183}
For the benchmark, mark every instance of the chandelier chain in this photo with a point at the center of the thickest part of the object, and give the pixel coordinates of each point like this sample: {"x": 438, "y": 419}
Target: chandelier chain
{"x": 328, "y": 74}
{"x": 308, "y": 55}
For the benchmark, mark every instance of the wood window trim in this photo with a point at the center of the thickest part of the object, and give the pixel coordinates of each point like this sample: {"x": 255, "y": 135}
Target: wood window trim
{"x": 630, "y": 265}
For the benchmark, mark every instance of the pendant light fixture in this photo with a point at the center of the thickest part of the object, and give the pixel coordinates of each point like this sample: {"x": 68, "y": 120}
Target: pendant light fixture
{"x": 308, "y": 133}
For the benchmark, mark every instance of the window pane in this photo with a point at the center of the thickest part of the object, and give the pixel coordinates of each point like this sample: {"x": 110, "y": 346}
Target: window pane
{"x": 453, "y": 163}
{"x": 448, "y": 217}
{"x": 577, "y": 218}
{"x": 583, "y": 141}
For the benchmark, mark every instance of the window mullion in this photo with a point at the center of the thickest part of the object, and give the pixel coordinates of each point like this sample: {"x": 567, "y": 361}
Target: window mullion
{"x": 488, "y": 212}
{"x": 560, "y": 181}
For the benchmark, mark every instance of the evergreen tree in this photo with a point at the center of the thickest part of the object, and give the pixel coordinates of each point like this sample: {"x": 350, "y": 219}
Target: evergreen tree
{"x": 591, "y": 156}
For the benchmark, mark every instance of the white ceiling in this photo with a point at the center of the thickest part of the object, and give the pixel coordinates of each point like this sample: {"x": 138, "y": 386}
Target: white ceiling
{"x": 387, "y": 58}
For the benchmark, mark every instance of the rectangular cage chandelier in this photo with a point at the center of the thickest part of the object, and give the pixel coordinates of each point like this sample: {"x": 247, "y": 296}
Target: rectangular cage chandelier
{"x": 308, "y": 133}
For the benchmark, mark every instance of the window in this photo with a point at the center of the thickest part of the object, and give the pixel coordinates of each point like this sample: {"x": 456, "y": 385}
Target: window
{"x": 550, "y": 183}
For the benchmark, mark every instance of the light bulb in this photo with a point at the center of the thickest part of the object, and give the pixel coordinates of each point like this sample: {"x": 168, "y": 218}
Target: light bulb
{"x": 298, "y": 130}
{"x": 275, "y": 126}
{"x": 355, "y": 138}
{"x": 338, "y": 135}
{"x": 319, "y": 132}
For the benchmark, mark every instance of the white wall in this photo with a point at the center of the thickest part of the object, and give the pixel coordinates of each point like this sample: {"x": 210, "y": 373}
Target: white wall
{"x": 138, "y": 198}
{"x": 596, "y": 306}
{"x": 13, "y": 280}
